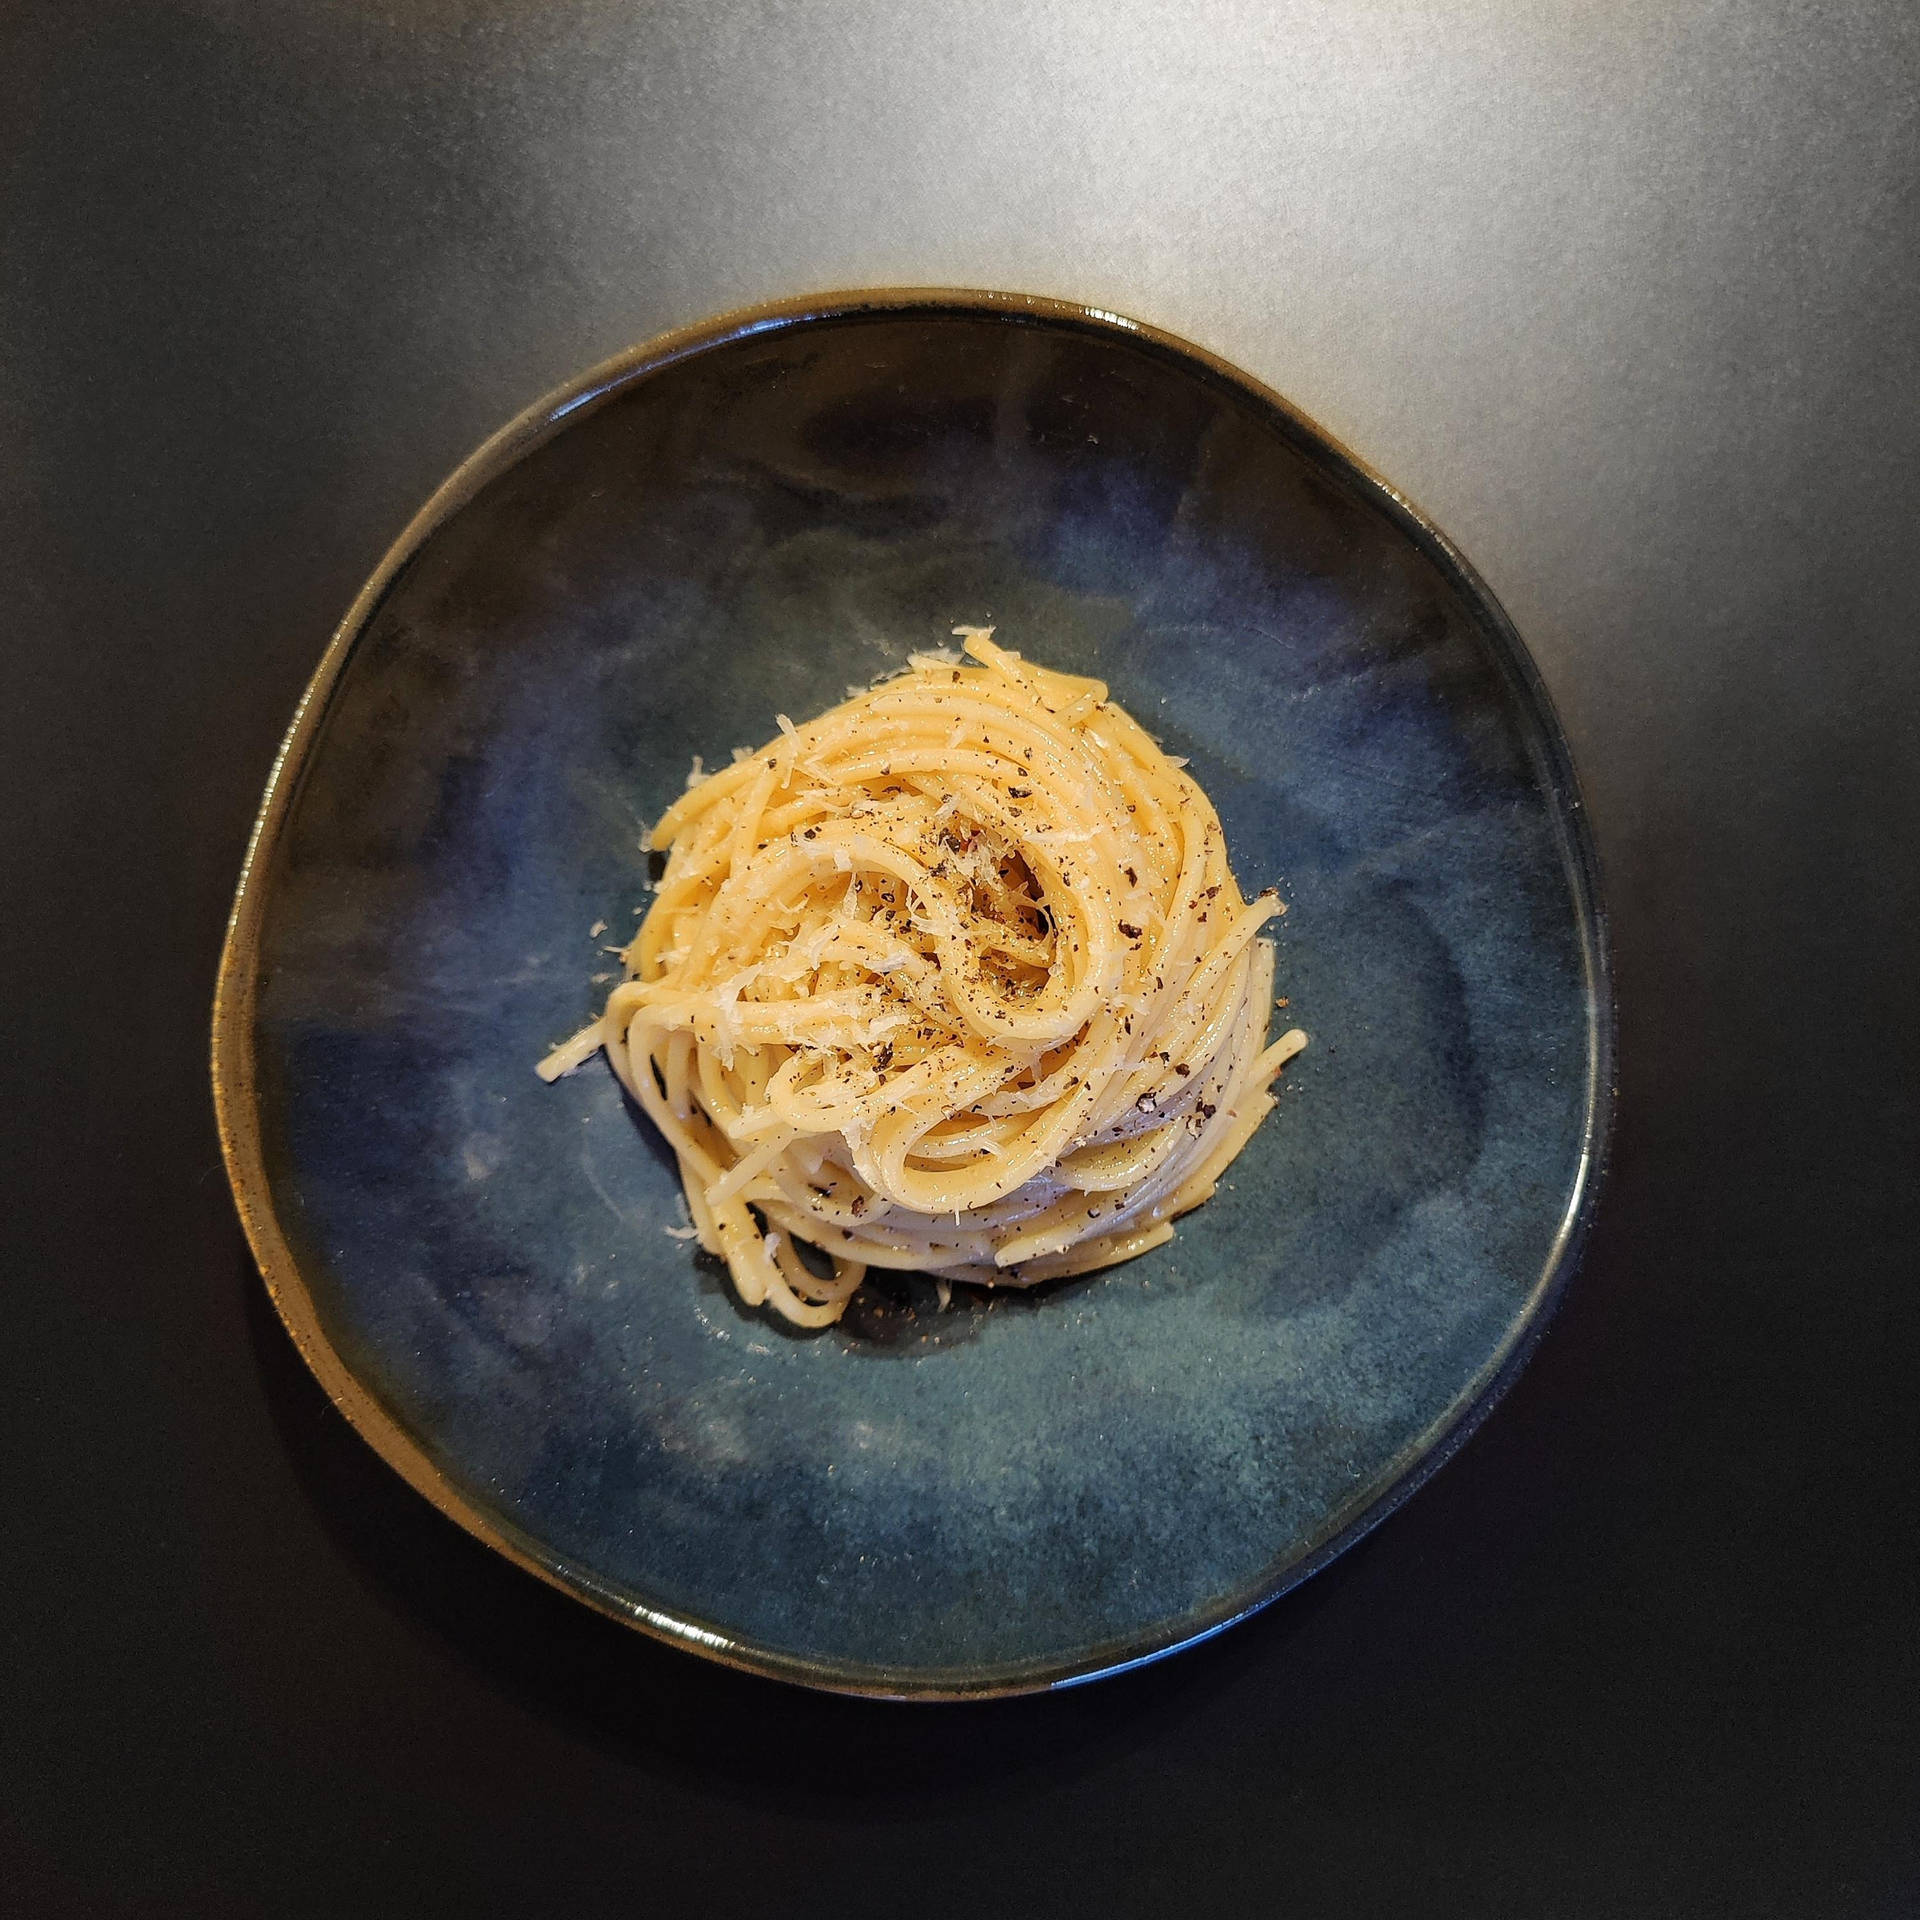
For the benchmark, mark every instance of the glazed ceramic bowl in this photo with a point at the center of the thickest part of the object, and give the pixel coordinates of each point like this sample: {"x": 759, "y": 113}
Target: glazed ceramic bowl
{"x": 1024, "y": 1490}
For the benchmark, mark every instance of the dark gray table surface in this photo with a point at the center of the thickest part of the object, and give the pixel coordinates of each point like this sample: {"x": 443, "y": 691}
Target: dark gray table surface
{"x": 1627, "y": 297}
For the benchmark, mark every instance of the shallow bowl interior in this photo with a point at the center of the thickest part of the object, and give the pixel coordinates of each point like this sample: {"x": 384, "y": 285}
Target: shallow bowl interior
{"x": 746, "y": 521}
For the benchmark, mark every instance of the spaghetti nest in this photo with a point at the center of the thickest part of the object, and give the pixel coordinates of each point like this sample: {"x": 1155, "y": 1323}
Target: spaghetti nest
{"x": 953, "y": 979}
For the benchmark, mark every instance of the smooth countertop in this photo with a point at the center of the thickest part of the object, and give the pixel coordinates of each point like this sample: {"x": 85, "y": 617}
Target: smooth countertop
{"x": 1626, "y": 298}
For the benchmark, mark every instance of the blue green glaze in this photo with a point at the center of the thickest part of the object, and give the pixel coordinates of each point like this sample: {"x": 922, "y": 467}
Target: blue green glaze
{"x": 1048, "y": 1486}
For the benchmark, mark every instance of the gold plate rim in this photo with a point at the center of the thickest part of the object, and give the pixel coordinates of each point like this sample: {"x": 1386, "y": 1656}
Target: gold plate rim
{"x": 236, "y": 1106}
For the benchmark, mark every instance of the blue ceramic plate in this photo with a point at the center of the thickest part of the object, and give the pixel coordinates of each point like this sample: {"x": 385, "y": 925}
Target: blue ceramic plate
{"x": 744, "y": 520}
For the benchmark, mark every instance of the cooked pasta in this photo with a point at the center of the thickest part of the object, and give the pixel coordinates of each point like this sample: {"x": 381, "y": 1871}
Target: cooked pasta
{"x": 953, "y": 979}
